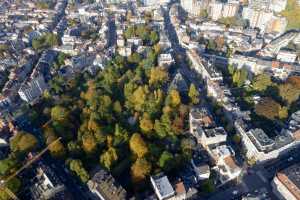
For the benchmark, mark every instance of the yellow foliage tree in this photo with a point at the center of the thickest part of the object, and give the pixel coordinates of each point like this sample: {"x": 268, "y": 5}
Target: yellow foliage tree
{"x": 140, "y": 170}
{"x": 158, "y": 75}
{"x": 138, "y": 145}
{"x": 146, "y": 123}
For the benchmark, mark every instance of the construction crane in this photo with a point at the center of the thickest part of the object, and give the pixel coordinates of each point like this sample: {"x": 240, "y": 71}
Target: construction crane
{"x": 35, "y": 158}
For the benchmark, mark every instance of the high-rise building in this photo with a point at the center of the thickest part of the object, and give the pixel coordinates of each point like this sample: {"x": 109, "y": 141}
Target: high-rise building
{"x": 257, "y": 18}
{"x": 276, "y": 25}
{"x": 192, "y": 7}
{"x": 230, "y": 9}
{"x": 215, "y": 10}
{"x": 278, "y": 5}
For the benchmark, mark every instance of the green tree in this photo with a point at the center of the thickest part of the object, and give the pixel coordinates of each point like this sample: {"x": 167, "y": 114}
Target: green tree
{"x": 109, "y": 158}
{"x": 194, "y": 94}
{"x": 237, "y": 139}
{"x": 74, "y": 148}
{"x": 154, "y": 38}
{"x": 166, "y": 161}
{"x": 117, "y": 107}
{"x": 138, "y": 145}
{"x": 45, "y": 41}
{"x": 135, "y": 58}
{"x": 23, "y": 143}
{"x": 77, "y": 167}
{"x": 208, "y": 186}
{"x": 231, "y": 69}
{"x": 7, "y": 165}
{"x": 13, "y": 185}
{"x": 59, "y": 113}
{"x": 159, "y": 129}
{"x": 240, "y": 76}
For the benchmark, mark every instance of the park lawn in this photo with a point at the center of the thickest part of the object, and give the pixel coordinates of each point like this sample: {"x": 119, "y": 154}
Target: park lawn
{"x": 292, "y": 14}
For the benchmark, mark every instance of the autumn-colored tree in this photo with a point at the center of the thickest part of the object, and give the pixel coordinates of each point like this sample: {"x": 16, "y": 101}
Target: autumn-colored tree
{"x": 194, "y": 94}
{"x": 140, "y": 170}
{"x": 146, "y": 123}
{"x": 158, "y": 75}
{"x": 261, "y": 82}
{"x": 89, "y": 143}
{"x": 138, "y": 145}
{"x": 173, "y": 99}
{"x": 294, "y": 80}
{"x": 267, "y": 108}
{"x": 289, "y": 92}
{"x": 109, "y": 157}
{"x": 283, "y": 113}
{"x": 138, "y": 98}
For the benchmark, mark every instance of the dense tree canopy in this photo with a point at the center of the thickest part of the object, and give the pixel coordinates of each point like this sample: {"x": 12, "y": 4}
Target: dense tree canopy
{"x": 268, "y": 108}
{"x": 45, "y": 41}
{"x": 23, "y": 143}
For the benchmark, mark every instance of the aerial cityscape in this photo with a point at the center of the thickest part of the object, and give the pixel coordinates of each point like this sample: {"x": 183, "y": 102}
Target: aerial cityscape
{"x": 150, "y": 99}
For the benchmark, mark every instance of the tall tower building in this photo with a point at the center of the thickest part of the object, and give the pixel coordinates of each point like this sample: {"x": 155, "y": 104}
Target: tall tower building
{"x": 192, "y": 7}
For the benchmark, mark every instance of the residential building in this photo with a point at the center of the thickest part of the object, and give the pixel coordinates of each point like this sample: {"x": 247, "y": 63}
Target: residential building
{"x": 165, "y": 59}
{"x": 103, "y": 186}
{"x": 257, "y": 18}
{"x": 192, "y": 7}
{"x": 286, "y": 183}
{"x": 287, "y": 56}
{"x": 46, "y": 185}
{"x": 227, "y": 167}
{"x": 201, "y": 170}
{"x": 276, "y": 26}
{"x": 162, "y": 187}
{"x": 33, "y": 89}
{"x": 260, "y": 147}
{"x": 278, "y": 5}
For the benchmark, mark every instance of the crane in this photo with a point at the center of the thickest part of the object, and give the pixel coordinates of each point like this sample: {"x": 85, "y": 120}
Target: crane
{"x": 35, "y": 158}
